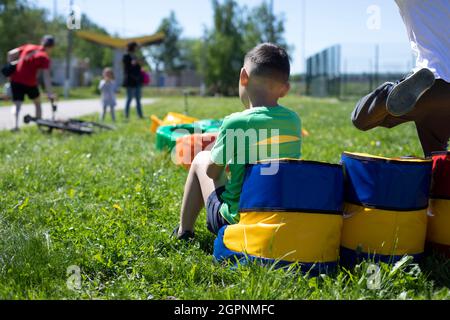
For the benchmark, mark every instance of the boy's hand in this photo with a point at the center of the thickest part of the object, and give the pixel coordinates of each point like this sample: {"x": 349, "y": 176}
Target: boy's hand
{"x": 52, "y": 96}
{"x": 214, "y": 171}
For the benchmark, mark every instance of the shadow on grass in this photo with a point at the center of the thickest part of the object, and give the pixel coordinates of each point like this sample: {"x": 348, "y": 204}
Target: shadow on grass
{"x": 206, "y": 242}
{"x": 437, "y": 268}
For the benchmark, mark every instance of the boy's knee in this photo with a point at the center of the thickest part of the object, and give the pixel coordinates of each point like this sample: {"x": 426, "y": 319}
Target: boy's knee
{"x": 360, "y": 125}
{"x": 357, "y": 119}
{"x": 201, "y": 159}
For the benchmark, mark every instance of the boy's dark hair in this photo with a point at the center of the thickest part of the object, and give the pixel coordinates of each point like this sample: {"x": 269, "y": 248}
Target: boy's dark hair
{"x": 269, "y": 61}
{"x": 132, "y": 46}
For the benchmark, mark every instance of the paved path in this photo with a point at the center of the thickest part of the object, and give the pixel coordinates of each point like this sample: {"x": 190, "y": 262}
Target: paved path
{"x": 66, "y": 109}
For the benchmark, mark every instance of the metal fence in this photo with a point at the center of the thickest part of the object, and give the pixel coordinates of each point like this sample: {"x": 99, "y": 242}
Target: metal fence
{"x": 347, "y": 70}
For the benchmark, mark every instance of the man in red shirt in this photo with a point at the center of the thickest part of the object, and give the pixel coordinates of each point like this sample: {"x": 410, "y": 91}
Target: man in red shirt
{"x": 29, "y": 60}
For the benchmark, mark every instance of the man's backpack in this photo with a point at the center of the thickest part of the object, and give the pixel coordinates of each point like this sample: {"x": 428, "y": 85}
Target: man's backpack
{"x": 10, "y": 67}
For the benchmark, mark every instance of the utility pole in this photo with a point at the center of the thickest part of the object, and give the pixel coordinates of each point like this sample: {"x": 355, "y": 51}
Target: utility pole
{"x": 72, "y": 15}
{"x": 303, "y": 49}
{"x": 124, "y": 19}
{"x": 272, "y": 25}
{"x": 55, "y": 9}
{"x": 304, "y": 33}
{"x": 377, "y": 64}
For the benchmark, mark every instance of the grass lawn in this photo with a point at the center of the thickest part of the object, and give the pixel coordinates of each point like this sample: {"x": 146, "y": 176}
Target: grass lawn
{"x": 82, "y": 93}
{"x": 108, "y": 204}
{"x": 75, "y": 94}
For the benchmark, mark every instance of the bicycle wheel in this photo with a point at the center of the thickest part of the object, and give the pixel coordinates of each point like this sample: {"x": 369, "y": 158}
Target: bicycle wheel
{"x": 93, "y": 124}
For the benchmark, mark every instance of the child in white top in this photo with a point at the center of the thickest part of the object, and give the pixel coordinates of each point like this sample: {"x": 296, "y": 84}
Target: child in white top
{"x": 108, "y": 88}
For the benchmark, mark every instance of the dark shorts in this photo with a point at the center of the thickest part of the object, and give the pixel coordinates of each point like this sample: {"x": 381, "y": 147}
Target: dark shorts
{"x": 214, "y": 219}
{"x": 20, "y": 90}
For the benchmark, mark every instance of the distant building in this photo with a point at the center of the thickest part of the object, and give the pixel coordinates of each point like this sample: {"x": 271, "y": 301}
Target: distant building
{"x": 80, "y": 72}
{"x": 185, "y": 78}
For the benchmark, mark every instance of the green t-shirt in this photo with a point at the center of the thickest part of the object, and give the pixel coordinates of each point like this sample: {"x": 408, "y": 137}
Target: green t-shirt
{"x": 253, "y": 135}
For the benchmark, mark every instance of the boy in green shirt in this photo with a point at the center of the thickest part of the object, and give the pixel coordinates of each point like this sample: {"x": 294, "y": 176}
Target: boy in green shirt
{"x": 264, "y": 131}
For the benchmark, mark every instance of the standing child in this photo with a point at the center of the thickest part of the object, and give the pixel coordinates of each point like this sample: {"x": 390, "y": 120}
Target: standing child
{"x": 107, "y": 88}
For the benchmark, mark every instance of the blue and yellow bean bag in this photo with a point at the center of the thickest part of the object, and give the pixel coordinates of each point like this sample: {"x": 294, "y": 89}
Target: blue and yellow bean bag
{"x": 439, "y": 217}
{"x": 386, "y": 208}
{"x": 292, "y": 216}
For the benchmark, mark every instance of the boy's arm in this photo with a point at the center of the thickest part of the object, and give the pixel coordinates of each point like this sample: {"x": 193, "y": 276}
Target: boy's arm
{"x": 48, "y": 84}
{"x": 101, "y": 85}
{"x": 223, "y": 150}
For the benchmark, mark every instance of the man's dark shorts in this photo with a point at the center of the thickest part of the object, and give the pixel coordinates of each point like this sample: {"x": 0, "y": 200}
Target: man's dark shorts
{"x": 20, "y": 90}
{"x": 214, "y": 219}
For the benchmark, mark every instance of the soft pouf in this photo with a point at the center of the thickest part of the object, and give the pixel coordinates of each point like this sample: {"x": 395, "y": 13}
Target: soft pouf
{"x": 386, "y": 208}
{"x": 439, "y": 217}
{"x": 290, "y": 212}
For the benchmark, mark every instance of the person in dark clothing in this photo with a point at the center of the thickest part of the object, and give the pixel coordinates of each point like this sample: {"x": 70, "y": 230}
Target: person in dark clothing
{"x": 431, "y": 113}
{"x": 132, "y": 79}
{"x": 30, "y": 59}
{"x": 424, "y": 96}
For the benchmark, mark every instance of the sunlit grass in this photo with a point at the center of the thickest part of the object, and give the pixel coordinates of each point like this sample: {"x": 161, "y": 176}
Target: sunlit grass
{"x": 109, "y": 202}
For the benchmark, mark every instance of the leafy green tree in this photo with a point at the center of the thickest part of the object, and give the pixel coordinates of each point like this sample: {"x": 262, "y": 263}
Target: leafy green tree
{"x": 20, "y": 23}
{"x": 236, "y": 30}
{"x": 224, "y": 51}
{"x": 262, "y": 25}
{"x": 192, "y": 54}
{"x": 167, "y": 56}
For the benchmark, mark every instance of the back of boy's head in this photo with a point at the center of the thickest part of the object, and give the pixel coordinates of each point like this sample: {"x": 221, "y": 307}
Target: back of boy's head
{"x": 269, "y": 61}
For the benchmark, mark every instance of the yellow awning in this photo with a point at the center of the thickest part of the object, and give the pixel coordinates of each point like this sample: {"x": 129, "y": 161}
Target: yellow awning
{"x": 118, "y": 43}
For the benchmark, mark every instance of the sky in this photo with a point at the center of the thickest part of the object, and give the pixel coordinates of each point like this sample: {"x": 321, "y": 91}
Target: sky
{"x": 356, "y": 24}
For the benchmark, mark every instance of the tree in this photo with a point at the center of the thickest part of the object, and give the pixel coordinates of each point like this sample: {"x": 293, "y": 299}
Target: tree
{"x": 235, "y": 31}
{"x": 192, "y": 54}
{"x": 20, "y": 23}
{"x": 167, "y": 55}
{"x": 224, "y": 50}
{"x": 262, "y": 25}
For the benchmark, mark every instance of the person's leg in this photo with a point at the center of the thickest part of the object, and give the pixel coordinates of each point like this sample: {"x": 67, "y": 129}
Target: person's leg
{"x": 138, "y": 102}
{"x": 405, "y": 95}
{"x": 130, "y": 94}
{"x": 371, "y": 111}
{"x": 432, "y": 117}
{"x": 34, "y": 94}
{"x": 104, "y": 111}
{"x": 113, "y": 112}
{"x": 434, "y": 136}
{"x": 197, "y": 190}
{"x": 16, "y": 112}
{"x": 18, "y": 95}
{"x": 38, "y": 104}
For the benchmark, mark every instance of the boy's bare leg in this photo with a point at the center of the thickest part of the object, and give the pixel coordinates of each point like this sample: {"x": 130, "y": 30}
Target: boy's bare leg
{"x": 197, "y": 190}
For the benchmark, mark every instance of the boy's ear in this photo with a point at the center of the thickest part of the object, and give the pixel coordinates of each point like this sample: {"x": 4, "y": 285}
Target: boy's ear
{"x": 244, "y": 77}
{"x": 285, "y": 89}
